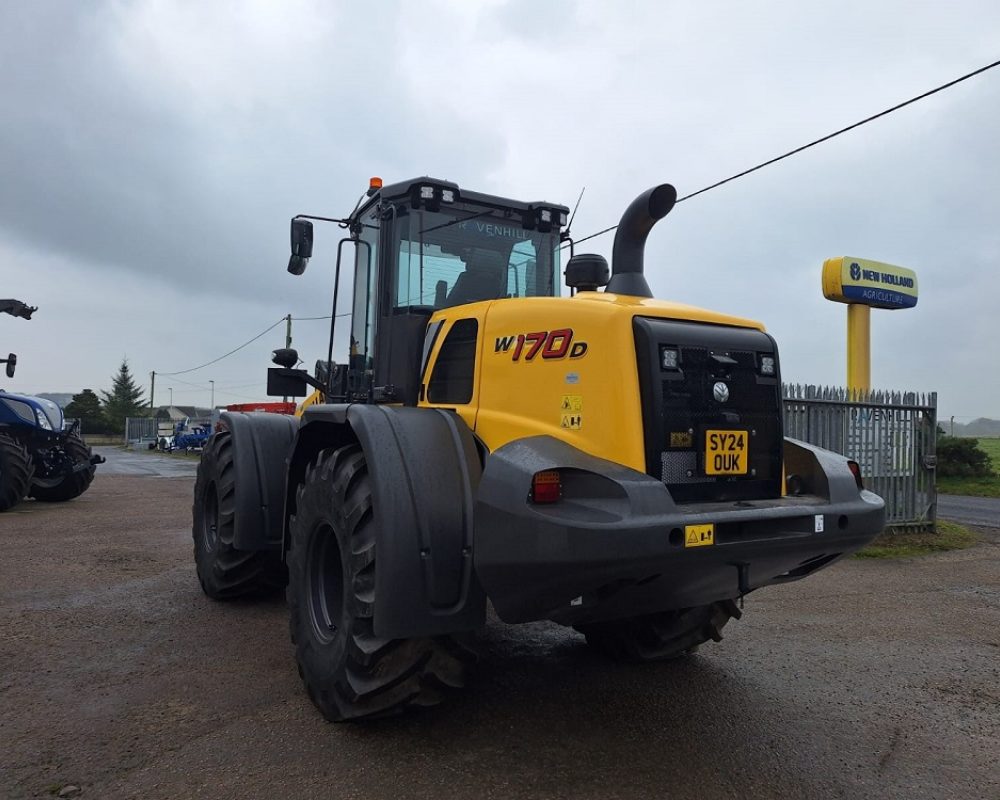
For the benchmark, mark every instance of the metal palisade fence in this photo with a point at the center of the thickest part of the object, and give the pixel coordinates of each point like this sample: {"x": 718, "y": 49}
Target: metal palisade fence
{"x": 892, "y": 436}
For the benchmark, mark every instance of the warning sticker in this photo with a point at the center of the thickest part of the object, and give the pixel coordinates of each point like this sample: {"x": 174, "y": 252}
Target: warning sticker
{"x": 681, "y": 439}
{"x": 699, "y": 535}
{"x": 573, "y": 422}
{"x": 571, "y": 402}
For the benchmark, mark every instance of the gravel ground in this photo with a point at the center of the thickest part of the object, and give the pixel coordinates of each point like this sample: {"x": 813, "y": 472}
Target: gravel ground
{"x": 870, "y": 679}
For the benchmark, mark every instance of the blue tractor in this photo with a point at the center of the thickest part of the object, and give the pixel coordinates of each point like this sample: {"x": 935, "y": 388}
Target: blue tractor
{"x": 39, "y": 456}
{"x": 190, "y": 437}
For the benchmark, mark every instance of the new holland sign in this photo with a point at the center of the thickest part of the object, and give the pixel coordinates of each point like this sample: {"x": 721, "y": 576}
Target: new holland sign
{"x": 865, "y": 285}
{"x": 870, "y": 283}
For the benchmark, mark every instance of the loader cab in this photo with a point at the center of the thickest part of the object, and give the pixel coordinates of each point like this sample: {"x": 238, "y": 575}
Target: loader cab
{"x": 424, "y": 245}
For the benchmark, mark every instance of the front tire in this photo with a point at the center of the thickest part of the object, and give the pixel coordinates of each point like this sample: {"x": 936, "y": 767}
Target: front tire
{"x": 662, "y": 636}
{"x": 15, "y": 472}
{"x": 348, "y": 671}
{"x": 67, "y": 486}
{"x": 223, "y": 571}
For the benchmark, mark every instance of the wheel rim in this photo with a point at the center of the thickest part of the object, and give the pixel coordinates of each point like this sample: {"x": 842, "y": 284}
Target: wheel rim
{"x": 326, "y": 584}
{"x": 210, "y": 517}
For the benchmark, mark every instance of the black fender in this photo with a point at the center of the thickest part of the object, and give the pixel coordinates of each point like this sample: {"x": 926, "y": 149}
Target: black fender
{"x": 425, "y": 471}
{"x": 820, "y": 472}
{"x": 261, "y": 446}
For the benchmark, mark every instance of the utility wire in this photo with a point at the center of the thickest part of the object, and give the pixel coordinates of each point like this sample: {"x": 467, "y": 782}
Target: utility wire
{"x": 204, "y": 388}
{"x": 241, "y": 396}
{"x": 234, "y": 350}
{"x": 237, "y": 349}
{"x": 826, "y": 138}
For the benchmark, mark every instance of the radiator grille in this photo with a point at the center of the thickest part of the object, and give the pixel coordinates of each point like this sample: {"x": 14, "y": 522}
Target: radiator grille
{"x": 679, "y": 406}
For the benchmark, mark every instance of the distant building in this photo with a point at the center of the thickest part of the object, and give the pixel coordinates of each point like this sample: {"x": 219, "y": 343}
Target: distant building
{"x": 178, "y": 413}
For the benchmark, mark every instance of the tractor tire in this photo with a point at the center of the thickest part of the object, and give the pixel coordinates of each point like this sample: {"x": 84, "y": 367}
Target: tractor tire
{"x": 66, "y": 487}
{"x": 350, "y": 673}
{"x": 223, "y": 571}
{"x": 662, "y": 636}
{"x": 15, "y": 472}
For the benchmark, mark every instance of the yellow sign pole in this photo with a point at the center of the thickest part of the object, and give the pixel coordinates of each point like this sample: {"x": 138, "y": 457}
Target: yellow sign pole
{"x": 859, "y": 354}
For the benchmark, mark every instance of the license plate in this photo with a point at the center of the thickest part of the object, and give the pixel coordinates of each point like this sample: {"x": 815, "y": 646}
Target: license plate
{"x": 699, "y": 535}
{"x": 726, "y": 452}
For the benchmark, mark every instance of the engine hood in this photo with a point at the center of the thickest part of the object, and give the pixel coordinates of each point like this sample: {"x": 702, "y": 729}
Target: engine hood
{"x": 21, "y": 407}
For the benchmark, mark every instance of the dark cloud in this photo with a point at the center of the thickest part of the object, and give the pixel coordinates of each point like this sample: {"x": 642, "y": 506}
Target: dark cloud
{"x": 112, "y": 168}
{"x": 151, "y": 155}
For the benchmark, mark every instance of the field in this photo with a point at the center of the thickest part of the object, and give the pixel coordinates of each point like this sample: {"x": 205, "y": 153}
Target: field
{"x": 977, "y": 487}
{"x": 992, "y": 448}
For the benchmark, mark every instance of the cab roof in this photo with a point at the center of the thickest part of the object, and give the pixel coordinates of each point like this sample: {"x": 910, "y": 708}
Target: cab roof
{"x": 408, "y": 188}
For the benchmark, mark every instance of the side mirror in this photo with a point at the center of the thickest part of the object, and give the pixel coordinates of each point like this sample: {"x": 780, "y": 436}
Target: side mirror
{"x": 11, "y": 363}
{"x": 286, "y": 357}
{"x": 302, "y": 245}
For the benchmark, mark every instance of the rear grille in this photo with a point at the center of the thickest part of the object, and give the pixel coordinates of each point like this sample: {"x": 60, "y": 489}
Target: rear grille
{"x": 679, "y": 407}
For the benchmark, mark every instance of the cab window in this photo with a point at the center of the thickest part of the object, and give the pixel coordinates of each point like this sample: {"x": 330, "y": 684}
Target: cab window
{"x": 462, "y": 254}
{"x": 452, "y": 379}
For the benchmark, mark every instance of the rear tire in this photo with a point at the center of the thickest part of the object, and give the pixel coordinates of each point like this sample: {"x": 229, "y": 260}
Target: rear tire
{"x": 66, "y": 487}
{"x": 348, "y": 671}
{"x": 223, "y": 571}
{"x": 662, "y": 636}
{"x": 15, "y": 472}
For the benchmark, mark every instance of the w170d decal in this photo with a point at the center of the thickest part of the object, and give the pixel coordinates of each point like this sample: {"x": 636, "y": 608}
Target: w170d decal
{"x": 550, "y": 344}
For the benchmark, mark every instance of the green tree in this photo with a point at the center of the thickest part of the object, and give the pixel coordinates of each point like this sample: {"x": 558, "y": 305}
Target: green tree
{"x": 124, "y": 400}
{"x": 86, "y": 407}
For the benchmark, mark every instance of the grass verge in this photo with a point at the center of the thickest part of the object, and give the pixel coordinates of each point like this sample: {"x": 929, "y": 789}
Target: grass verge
{"x": 970, "y": 487}
{"x": 949, "y": 536}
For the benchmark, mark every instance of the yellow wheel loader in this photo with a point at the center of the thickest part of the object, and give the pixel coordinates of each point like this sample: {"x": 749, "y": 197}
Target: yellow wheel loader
{"x": 604, "y": 460}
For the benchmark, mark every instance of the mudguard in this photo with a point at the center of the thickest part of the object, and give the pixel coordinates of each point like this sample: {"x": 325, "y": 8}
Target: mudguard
{"x": 425, "y": 471}
{"x": 261, "y": 445}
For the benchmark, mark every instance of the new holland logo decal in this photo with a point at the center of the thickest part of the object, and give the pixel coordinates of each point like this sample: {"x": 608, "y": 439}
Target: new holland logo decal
{"x": 549, "y": 344}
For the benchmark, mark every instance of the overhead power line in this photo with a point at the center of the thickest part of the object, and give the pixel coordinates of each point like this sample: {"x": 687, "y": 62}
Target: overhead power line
{"x": 226, "y": 355}
{"x": 248, "y": 342}
{"x": 202, "y": 387}
{"x": 822, "y": 139}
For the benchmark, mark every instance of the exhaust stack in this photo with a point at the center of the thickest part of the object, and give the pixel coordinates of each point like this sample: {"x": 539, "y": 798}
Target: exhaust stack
{"x": 630, "y": 240}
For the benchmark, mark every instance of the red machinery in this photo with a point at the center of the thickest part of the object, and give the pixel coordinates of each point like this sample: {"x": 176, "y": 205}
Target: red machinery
{"x": 271, "y": 408}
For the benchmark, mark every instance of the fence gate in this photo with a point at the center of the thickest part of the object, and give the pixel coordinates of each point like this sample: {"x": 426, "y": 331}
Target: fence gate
{"x": 892, "y": 436}
{"x": 140, "y": 429}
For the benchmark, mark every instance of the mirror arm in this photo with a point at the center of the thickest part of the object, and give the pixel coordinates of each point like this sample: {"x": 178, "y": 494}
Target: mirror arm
{"x": 342, "y": 222}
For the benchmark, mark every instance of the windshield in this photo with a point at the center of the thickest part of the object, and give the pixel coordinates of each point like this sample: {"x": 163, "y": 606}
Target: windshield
{"x": 462, "y": 254}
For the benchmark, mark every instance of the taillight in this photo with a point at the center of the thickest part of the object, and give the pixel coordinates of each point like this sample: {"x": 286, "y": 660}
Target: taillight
{"x": 856, "y": 471}
{"x": 546, "y": 487}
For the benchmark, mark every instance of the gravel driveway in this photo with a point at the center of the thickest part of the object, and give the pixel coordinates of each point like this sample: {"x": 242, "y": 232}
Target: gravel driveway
{"x": 870, "y": 679}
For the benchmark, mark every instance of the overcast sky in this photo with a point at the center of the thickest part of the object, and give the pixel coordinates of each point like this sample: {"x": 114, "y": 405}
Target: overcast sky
{"x": 151, "y": 154}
